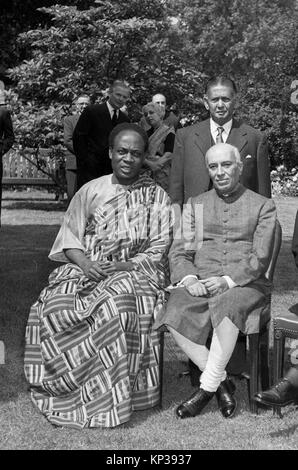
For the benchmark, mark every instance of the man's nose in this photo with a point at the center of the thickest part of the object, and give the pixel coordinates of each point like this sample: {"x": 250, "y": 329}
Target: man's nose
{"x": 128, "y": 156}
{"x": 219, "y": 170}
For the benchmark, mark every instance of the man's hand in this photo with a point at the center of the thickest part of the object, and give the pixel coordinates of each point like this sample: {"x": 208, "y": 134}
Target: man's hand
{"x": 215, "y": 285}
{"x": 94, "y": 270}
{"x": 195, "y": 287}
{"x": 113, "y": 266}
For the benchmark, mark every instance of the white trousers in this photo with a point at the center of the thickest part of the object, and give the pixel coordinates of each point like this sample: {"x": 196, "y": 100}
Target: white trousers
{"x": 212, "y": 362}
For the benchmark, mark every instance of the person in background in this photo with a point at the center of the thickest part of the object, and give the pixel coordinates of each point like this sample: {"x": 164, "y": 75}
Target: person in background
{"x": 91, "y": 134}
{"x": 285, "y": 391}
{"x": 189, "y": 176}
{"x": 168, "y": 116}
{"x": 6, "y": 135}
{"x": 91, "y": 357}
{"x": 69, "y": 125}
{"x": 161, "y": 144}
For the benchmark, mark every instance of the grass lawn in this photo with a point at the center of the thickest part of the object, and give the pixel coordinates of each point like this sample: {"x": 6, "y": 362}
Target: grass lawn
{"x": 30, "y": 221}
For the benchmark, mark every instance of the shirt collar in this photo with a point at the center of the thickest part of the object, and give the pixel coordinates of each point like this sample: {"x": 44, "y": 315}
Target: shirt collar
{"x": 227, "y": 126}
{"x": 111, "y": 109}
{"x": 231, "y": 197}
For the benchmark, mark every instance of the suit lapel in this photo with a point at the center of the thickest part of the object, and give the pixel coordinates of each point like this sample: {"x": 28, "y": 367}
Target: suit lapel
{"x": 237, "y": 136}
{"x": 107, "y": 113}
{"x": 203, "y": 136}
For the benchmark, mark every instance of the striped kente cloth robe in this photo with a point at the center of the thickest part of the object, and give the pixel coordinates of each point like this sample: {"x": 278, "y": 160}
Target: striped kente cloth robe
{"x": 91, "y": 357}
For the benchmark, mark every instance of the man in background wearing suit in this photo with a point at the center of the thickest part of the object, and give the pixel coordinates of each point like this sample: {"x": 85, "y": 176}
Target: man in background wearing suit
{"x": 189, "y": 175}
{"x": 70, "y": 123}
{"x": 6, "y": 137}
{"x": 91, "y": 135}
{"x": 218, "y": 265}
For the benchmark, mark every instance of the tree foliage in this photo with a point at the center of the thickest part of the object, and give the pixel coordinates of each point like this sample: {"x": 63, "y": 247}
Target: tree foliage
{"x": 169, "y": 46}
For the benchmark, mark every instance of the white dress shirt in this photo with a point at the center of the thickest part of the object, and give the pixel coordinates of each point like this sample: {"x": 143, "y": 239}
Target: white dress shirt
{"x": 225, "y": 133}
{"x": 111, "y": 110}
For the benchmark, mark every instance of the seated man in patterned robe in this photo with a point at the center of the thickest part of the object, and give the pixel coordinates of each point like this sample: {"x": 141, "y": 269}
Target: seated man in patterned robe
{"x": 91, "y": 356}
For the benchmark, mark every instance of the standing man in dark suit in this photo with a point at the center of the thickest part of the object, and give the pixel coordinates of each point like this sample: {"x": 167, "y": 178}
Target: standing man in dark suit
{"x": 6, "y": 139}
{"x": 91, "y": 135}
{"x": 189, "y": 176}
{"x": 70, "y": 123}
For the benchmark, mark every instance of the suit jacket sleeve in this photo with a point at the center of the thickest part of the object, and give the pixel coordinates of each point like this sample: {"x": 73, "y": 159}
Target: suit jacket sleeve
{"x": 6, "y": 133}
{"x": 68, "y": 133}
{"x": 295, "y": 241}
{"x": 255, "y": 265}
{"x": 176, "y": 190}
{"x": 264, "y": 182}
{"x": 80, "y": 136}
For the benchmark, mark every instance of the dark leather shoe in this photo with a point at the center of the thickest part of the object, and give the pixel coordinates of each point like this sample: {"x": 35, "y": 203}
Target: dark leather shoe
{"x": 194, "y": 405}
{"x": 226, "y": 402}
{"x": 281, "y": 394}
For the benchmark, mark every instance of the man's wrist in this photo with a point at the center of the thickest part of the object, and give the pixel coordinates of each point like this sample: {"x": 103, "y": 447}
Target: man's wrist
{"x": 188, "y": 276}
{"x": 229, "y": 281}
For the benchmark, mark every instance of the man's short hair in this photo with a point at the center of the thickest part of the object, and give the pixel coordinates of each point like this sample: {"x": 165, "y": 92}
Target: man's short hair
{"x": 128, "y": 126}
{"x": 82, "y": 96}
{"x": 232, "y": 148}
{"x": 120, "y": 83}
{"x": 221, "y": 80}
{"x": 158, "y": 94}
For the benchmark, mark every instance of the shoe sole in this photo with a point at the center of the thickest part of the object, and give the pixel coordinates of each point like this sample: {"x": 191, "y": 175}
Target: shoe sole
{"x": 267, "y": 403}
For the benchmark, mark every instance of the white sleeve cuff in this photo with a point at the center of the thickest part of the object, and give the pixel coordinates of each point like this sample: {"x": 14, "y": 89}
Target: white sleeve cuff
{"x": 230, "y": 282}
{"x": 180, "y": 283}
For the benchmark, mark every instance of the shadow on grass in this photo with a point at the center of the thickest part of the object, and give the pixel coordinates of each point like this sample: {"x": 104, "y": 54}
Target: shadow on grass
{"x": 41, "y": 205}
{"x": 24, "y": 270}
{"x": 285, "y": 432}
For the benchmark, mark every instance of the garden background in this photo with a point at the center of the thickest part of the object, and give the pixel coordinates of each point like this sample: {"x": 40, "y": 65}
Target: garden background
{"x": 49, "y": 56}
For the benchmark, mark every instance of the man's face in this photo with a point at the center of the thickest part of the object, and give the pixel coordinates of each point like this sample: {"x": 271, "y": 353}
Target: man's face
{"x": 118, "y": 97}
{"x": 220, "y": 102}
{"x": 161, "y": 101}
{"x": 81, "y": 103}
{"x": 127, "y": 156}
{"x": 223, "y": 168}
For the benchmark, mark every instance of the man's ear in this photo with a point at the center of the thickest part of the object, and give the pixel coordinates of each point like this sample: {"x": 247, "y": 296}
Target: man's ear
{"x": 240, "y": 166}
{"x": 110, "y": 153}
{"x": 205, "y": 100}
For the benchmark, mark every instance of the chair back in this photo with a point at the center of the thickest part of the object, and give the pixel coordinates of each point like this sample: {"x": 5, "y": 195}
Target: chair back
{"x": 275, "y": 252}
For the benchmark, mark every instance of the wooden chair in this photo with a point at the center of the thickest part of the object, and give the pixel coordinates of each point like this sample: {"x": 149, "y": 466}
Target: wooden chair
{"x": 284, "y": 326}
{"x": 257, "y": 339}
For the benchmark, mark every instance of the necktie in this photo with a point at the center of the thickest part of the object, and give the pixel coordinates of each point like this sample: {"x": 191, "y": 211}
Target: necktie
{"x": 219, "y": 139}
{"x": 114, "y": 118}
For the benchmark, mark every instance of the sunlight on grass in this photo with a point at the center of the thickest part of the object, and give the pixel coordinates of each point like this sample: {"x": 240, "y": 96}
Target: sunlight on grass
{"x": 29, "y": 229}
